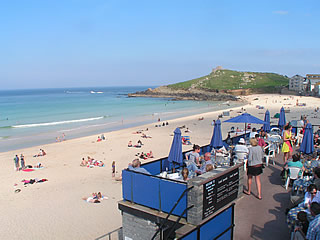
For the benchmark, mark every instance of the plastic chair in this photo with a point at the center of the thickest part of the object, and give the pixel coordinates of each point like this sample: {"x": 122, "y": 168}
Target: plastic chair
{"x": 275, "y": 129}
{"x": 293, "y": 175}
{"x": 276, "y": 139}
{"x": 271, "y": 154}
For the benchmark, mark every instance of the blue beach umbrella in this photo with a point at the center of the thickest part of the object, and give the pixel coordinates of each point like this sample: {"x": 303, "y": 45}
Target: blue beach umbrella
{"x": 175, "y": 155}
{"x": 245, "y": 118}
{"x": 266, "y": 126}
{"x": 307, "y": 141}
{"x": 216, "y": 140}
{"x": 282, "y": 118}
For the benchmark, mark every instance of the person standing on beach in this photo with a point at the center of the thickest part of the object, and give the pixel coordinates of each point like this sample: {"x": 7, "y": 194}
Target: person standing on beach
{"x": 22, "y": 161}
{"x": 16, "y": 162}
{"x": 113, "y": 169}
{"x": 255, "y": 157}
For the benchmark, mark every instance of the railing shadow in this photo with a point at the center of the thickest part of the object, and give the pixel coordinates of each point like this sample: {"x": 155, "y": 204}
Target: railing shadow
{"x": 277, "y": 228}
{"x": 113, "y": 235}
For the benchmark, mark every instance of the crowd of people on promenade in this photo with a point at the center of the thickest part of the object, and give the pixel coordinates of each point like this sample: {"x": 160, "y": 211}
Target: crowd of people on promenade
{"x": 303, "y": 214}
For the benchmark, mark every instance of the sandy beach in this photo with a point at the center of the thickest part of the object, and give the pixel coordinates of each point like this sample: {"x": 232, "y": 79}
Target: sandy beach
{"x": 55, "y": 210}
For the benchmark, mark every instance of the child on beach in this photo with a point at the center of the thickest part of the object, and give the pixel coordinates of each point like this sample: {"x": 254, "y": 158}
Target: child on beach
{"x": 22, "y": 161}
{"x": 113, "y": 169}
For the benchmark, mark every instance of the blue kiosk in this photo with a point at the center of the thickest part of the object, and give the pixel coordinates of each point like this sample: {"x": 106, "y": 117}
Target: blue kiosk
{"x": 154, "y": 207}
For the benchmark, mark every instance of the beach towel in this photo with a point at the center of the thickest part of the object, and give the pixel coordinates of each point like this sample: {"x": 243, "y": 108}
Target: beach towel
{"x": 28, "y": 170}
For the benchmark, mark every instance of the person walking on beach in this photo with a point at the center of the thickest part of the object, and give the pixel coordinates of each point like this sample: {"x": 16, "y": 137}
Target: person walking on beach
{"x": 287, "y": 143}
{"x": 16, "y": 162}
{"x": 255, "y": 157}
{"x": 113, "y": 168}
{"x": 22, "y": 161}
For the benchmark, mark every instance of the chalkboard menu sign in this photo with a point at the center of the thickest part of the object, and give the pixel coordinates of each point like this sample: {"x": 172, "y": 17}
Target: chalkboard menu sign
{"x": 219, "y": 192}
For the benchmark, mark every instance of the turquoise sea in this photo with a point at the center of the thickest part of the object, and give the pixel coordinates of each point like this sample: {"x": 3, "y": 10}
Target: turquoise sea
{"x": 37, "y": 116}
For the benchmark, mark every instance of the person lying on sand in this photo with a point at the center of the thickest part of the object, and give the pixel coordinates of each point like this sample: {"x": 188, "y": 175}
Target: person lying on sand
{"x": 92, "y": 162}
{"x": 143, "y": 156}
{"x": 35, "y": 180}
{"x": 145, "y": 136}
{"x": 186, "y": 140}
{"x": 139, "y": 144}
{"x": 150, "y": 154}
{"x": 130, "y": 144}
{"x": 39, "y": 165}
{"x": 187, "y": 130}
{"x": 95, "y": 198}
{"x": 137, "y": 132}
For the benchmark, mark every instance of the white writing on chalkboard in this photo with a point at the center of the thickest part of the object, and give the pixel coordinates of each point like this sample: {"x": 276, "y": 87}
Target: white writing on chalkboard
{"x": 219, "y": 192}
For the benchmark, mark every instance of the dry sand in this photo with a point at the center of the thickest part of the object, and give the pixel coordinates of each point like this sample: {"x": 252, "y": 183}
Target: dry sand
{"x": 55, "y": 209}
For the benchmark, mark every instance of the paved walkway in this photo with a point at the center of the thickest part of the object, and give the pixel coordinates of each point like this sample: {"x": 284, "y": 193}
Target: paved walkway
{"x": 264, "y": 219}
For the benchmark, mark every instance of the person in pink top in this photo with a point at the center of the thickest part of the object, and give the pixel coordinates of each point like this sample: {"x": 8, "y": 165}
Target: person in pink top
{"x": 261, "y": 141}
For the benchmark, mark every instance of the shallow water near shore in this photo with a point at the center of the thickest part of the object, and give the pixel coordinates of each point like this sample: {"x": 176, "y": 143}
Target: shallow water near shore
{"x": 41, "y": 116}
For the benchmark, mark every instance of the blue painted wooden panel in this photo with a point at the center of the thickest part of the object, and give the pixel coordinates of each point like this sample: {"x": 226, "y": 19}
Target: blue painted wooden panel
{"x": 152, "y": 167}
{"x": 216, "y": 226}
{"x": 226, "y": 236}
{"x": 146, "y": 190}
{"x": 170, "y": 193}
{"x": 191, "y": 236}
{"x": 126, "y": 184}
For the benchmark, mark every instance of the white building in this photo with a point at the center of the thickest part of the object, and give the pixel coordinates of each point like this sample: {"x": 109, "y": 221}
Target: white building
{"x": 296, "y": 83}
{"x": 312, "y": 79}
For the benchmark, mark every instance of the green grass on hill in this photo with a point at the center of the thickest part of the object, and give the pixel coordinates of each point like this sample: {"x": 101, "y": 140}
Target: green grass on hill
{"x": 228, "y": 80}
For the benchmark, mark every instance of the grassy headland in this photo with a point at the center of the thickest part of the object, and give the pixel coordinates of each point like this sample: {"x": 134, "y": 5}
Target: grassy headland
{"x": 219, "y": 85}
{"x": 224, "y": 79}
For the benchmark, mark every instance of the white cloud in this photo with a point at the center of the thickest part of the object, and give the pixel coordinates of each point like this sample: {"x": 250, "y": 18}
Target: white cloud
{"x": 280, "y": 12}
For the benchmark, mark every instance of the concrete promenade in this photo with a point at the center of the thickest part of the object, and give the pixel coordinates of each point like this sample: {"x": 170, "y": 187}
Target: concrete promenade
{"x": 264, "y": 219}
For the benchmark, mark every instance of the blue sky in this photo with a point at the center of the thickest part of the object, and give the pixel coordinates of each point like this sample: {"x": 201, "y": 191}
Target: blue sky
{"x": 116, "y": 43}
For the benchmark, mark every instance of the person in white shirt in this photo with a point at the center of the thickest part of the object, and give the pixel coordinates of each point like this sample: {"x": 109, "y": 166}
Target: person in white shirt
{"x": 253, "y": 133}
{"x": 241, "y": 147}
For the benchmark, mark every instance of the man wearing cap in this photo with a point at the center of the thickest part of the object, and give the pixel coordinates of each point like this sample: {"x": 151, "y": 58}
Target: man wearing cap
{"x": 241, "y": 147}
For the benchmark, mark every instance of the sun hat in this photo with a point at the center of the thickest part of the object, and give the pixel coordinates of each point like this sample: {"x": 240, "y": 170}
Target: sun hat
{"x": 242, "y": 141}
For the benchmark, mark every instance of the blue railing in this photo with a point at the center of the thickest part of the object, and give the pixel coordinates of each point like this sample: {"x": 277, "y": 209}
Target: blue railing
{"x": 219, "y": 227}
{"x": 154, "y": 192}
